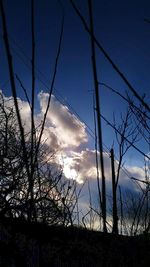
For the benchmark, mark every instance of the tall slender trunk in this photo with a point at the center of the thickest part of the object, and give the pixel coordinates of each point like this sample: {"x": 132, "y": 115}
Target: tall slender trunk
{"x": 114, "y": 189}
{"x": 32, "y": 215}
{"x": 97, "y": 163}
{"x": 99, "y": 127}
{"x": 121, "y": 210}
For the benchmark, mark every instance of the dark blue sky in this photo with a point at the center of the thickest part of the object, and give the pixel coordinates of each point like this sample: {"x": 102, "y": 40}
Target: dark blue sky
{"x": 119, "y": 26}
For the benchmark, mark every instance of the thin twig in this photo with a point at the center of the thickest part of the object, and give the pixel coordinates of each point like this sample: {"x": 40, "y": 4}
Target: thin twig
{"x": 124, "y": 98}
{"x": 135, "y": 147}
{"x": 52, "y": 84}
{"x": 13, "y": 86}
{"x": 108, "y": 57}
{"x": 24, "y": 89}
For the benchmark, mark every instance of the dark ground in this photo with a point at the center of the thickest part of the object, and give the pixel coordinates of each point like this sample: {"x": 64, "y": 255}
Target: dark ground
{"x": 36, "y": 245}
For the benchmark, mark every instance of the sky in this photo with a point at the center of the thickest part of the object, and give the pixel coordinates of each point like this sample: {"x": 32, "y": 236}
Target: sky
{"x": 121, "y": 29}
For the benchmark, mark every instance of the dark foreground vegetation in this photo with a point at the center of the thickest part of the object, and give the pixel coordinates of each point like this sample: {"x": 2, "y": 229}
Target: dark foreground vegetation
{"x": 32, "y": 244}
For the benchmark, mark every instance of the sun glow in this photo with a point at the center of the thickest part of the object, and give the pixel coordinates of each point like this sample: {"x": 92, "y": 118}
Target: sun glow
{"x": 68, "y": 169}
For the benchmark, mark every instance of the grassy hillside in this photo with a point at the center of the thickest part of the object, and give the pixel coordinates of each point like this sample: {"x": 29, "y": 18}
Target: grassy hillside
{"x": 36, "y": 245}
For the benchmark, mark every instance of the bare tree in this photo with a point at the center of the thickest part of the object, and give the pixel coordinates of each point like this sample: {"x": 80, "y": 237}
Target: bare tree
{"x": 126, "y": 130}
{"x": 30, "y": 155}
{"x": 53, "y": 195}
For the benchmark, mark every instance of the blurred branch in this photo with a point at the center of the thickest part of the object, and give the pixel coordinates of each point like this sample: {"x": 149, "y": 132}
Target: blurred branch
{"x": 108, "y": 57}
{"x": 141, "y": 181}
{"x": 52, "y": 84}
{"x": 136, "y": 148}
{"x": 24, "y": 89}
{"x": 12, "y": 81}
{"x": 128, "y": 100}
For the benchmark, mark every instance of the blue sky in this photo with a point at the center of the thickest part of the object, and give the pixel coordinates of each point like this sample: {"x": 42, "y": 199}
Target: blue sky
{"x": 119, "y": 26}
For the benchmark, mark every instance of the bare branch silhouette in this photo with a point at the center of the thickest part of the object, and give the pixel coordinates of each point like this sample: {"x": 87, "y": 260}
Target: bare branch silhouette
{"x": 108, "y": 57}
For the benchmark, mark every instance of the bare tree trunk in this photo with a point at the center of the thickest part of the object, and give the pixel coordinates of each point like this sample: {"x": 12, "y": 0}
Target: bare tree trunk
{"x": 96, "y": 85}
{"x": 32, "y": 212}
{"x": 114, "y": 189}
{"x": 121, "y": 210}
{"x": 97, "y": 163}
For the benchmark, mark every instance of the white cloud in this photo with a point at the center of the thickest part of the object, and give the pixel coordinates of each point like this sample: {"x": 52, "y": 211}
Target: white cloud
{"x": 63, "y": 130}
{"x": 135, "y": 172}
{"x": 84, "y": 163}
{"x": 63, "y": 134}
{"x": 24, "y": 108}
{"x": 70, "y": 131}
